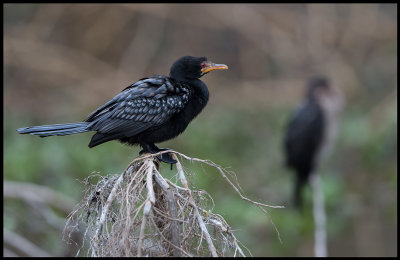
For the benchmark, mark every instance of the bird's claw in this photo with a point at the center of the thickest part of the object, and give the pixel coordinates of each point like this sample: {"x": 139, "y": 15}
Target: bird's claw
{"x": 165, "y": 157}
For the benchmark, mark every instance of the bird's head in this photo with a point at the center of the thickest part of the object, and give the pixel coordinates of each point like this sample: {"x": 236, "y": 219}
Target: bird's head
{"x": 328, "y": 96}
{"x": 189, "y": 67}
{"x": 317, "y": 85}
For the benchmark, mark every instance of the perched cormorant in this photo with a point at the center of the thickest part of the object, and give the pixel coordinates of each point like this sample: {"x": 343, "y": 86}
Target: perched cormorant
{"x": 311, "y": 130}
{"x": 149, "y": 111}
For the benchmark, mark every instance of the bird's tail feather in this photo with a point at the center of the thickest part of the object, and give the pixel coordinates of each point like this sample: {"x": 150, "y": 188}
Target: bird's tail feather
{"x": 58, "y": 129}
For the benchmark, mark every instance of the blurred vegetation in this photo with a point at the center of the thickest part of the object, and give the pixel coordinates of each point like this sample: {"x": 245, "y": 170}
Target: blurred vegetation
{"x": 62, "y": 61}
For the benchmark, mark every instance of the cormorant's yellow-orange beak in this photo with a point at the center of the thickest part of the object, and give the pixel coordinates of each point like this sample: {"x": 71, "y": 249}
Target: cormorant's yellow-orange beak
{"x": 209, "y": 66}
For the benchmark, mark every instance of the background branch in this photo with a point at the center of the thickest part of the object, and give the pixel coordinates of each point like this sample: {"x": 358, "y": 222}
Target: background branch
{"x": 320, "y": 243}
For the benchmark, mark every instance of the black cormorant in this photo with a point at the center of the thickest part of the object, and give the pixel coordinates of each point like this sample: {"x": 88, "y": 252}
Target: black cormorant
{"x": 149, "y": 111}
{"x": 310, "y": 130}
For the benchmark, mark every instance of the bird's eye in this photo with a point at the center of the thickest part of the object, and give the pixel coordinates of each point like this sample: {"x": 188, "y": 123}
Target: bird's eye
{"x": 203, "y": 65}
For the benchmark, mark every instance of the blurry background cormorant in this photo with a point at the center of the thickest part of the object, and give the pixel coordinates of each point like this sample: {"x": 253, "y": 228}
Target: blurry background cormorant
{"x": 311, "y": 130}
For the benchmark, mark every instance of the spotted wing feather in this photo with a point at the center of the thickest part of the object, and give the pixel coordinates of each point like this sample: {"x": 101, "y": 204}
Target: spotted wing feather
{"x": 146, "y": 103}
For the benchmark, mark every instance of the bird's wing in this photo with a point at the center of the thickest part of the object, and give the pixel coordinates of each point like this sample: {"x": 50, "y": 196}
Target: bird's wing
{"x": 146, "y": 103}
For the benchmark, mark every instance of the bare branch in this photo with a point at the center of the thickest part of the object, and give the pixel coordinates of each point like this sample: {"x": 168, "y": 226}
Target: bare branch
{"x": 37, "y": 193}
{"x": 174, "y": 224}
{"x": 320, "y": 248}
{"x": 107, "y": 206}
{"x": 221, "y": 171}
{"x": 149, "y": 184}
{"x": 23, "y": 245}
{"x": 142, "y": 228}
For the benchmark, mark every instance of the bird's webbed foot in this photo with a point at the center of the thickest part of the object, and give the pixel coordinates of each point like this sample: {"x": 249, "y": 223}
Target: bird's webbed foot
{"x": 165, "y": 157}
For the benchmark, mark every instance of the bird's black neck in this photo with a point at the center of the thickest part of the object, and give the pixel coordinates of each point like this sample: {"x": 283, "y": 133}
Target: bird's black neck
{"x": 198, "y": 98}
{"x": 200, "y": 92}
{"x": 198, "y": 89}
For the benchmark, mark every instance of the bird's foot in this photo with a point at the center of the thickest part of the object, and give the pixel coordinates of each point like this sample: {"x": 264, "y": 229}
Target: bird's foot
{"x": 165, "y": 157}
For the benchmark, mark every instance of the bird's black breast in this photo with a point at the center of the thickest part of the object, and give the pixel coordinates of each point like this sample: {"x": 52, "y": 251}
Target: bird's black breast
{"x": 197, "y": 94}
{"x": 140, "y": 108}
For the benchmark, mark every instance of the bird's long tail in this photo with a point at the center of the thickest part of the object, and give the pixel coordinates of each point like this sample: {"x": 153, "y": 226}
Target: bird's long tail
{"x": 58, "y": 129}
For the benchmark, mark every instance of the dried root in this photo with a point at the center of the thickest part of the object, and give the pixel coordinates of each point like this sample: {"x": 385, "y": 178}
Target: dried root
{"x": 141, "y": 213}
